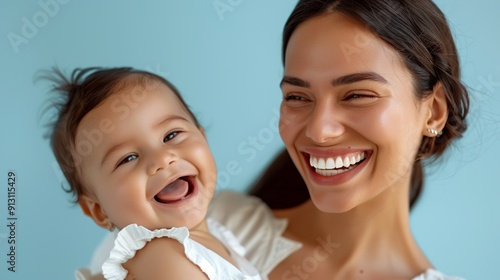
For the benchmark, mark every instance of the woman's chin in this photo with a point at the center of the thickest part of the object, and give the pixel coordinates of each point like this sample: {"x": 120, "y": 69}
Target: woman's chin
{"x": 333, "y": 203}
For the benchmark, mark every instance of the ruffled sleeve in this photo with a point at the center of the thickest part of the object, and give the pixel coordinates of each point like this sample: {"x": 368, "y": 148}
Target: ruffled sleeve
{"x": 131, "y": 239}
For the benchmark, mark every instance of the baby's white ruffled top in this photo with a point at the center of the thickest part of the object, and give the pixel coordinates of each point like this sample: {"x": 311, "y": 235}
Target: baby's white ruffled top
{"x": 132, "y": 238}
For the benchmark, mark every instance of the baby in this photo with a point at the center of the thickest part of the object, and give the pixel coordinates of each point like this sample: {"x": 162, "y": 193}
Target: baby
{"x": 136, "y": 159}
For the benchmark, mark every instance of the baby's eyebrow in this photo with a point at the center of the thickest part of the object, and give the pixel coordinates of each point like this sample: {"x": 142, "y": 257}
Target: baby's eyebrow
{"x": 112, "y": 150}
{"x": 171, "y": 118}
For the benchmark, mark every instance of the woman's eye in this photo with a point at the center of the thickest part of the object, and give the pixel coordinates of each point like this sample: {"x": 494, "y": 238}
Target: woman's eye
{"x": 128, "y": 158}
{"x": 292, "y": 97}
{"x": 297, "y": 101}
{"x": 358, "y": 96}
{"x": 170, "y": 136}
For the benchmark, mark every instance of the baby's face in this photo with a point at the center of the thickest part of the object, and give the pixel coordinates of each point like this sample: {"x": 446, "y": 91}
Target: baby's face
{"x": 144, "y": 161}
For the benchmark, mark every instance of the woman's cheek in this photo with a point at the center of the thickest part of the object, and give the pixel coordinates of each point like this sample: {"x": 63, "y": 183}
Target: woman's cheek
{"x": 289, "y": 123}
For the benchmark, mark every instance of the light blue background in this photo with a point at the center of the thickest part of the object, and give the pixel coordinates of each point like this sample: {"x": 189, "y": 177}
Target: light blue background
{"x": 228, "y": 67}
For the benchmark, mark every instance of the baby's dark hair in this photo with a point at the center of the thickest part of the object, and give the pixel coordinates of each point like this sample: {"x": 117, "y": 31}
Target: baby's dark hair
{"x": 79, "y": 94}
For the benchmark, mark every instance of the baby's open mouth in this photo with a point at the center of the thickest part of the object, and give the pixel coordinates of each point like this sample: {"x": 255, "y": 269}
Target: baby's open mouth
{"x": 176, "y": 191}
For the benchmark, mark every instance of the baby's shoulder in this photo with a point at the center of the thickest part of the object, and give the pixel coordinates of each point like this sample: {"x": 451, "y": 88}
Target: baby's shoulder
{"x": 147, "y": 254}
{"x": 163, "y": 257}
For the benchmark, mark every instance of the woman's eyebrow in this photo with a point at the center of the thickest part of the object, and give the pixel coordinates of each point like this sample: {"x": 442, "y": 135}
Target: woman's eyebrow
{"x": 293, "y": 81}
{"x": 358, "y": 77}
{"x": 344, "y": 80}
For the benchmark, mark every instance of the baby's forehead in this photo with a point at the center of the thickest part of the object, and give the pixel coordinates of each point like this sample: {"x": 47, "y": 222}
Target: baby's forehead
{"x": 131, "y": 102}
{"x": 125, "y": 113}
{"x": 136, "y": 80}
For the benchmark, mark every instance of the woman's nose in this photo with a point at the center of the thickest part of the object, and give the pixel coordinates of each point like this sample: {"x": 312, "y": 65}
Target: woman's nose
{"x": 159, "y": 160}
{"x": 324, "y": 123}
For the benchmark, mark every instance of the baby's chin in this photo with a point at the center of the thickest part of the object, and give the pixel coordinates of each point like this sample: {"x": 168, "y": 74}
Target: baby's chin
{"x": 188, "y": 218}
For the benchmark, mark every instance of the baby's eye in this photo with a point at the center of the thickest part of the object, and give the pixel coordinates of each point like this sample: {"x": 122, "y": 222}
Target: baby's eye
{"x": 128, "y": 158}
{"x": 170, "y": 136}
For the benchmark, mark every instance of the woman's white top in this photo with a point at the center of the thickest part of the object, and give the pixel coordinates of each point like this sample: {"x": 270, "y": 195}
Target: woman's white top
{"x": 261, "y": 233}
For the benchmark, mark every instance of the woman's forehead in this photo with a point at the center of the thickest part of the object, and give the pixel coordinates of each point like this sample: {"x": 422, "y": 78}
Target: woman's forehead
{"x": 335, "y": 45}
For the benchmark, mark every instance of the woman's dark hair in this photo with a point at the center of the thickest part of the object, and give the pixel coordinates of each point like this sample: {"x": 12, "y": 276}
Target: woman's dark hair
{"x": 419, "y": 32}
{"x": 79, "y": 94}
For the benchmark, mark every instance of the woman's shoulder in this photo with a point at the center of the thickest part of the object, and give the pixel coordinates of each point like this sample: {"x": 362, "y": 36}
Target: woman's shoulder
{"x": 235, "y": 201}
{"x": 244, "y": 215}
{"x": 432, "y": 274}
{"x": 256, "y": 228}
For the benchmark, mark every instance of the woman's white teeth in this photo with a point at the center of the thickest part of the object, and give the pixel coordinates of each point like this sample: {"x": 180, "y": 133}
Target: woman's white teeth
{"x": 330, "y": 166}
{"x": 331, "y": 172}
{"x": 338, "y": 163}
{"x": 347, "y": 162}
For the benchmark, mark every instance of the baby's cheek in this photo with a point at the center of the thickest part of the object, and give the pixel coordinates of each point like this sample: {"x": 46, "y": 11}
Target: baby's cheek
{"x": 204, "y": 161}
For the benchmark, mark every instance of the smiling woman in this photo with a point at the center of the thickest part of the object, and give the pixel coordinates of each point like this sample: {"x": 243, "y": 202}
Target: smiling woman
{"x": 370, "y": 89}
{"x": 343, "y": 106}
{"x": 383, "y": 101}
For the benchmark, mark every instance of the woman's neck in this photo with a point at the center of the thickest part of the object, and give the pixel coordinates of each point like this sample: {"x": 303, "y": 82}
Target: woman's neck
{"x": 374, "y": 235}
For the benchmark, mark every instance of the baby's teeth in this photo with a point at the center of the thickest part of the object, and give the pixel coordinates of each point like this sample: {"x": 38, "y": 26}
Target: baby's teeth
{"x": 353, "y": 160}
{"x": 362, "y": 156}
{"x": 347, "y": 162}
{"x": 321, "y": 163}
{"x": 358, "y": 158}
{"x": 330, "y": 163}
{"x": 312, "y": 161}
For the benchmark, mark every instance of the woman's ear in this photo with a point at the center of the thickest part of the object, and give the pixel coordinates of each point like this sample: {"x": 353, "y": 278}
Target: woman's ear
{"x": 92, "y": 208}
{"x": 438, "y": 111}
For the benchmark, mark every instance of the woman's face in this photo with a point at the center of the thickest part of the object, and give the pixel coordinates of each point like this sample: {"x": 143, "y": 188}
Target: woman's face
{"x": 349, "y": 118}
